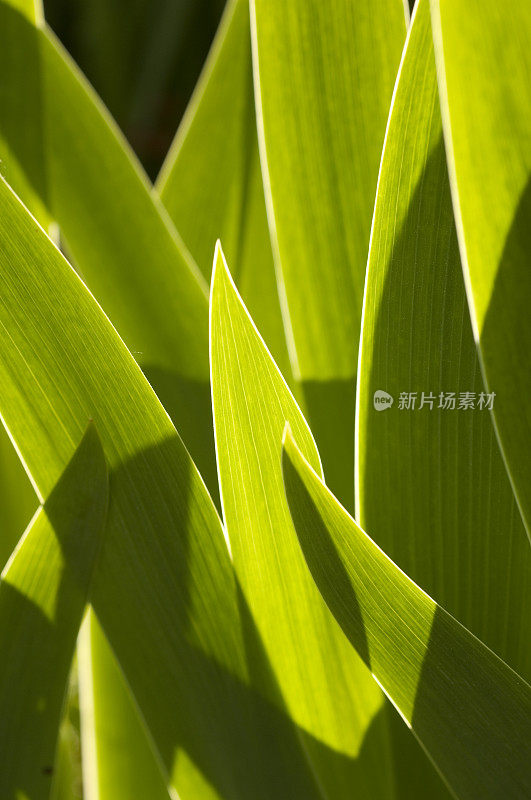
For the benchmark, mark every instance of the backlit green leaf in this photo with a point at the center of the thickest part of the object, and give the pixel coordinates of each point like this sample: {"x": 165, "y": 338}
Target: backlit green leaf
{"x": 73, "y": 162}
{"x": 43, "y": 590}
{"x": 469, "y": 710}
{"x": 484, "y": 68}
{"x": 431, "y": 470}
{"x": 324, "y": 75}
{"x": 117, "y": 758}
{"x": 164, "y": 590}
{"x": 211, "y": 183}
{"x": 325, "y": 686}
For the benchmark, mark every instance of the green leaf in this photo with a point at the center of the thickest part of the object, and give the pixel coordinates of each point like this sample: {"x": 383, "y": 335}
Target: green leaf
{"x": 72, "y": 161}
{"x": 67, "y": 768}
{"x": 164, "y": 590}
{"x": 483, "y": 65}
{"x": 18, "y": 501}
{"x": 469, "y": 710}
{"x": 43, "y": 591}
{"x": 211, "y": 183}
{"x": 324, "y": 76}
{"x": 82, "y": 173}
{"x": 117, "y": 755}
{"x": 31, "y": 9}
{"x": 326, "y": 688}
{"x": 433, "y": 472}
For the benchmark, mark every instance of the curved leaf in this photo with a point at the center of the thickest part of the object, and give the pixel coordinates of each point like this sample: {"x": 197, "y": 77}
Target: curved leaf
{"x": 211, "y": 183}
{"x": 71, "y": 164}
{"x": 483, "y": 64}
{"x": 116, "y": 753}
{"x": 164, "y": 590}
{"x": 323, "y": 683}
{"x": 468, "y": 709}
{"x": 324, "y": 76}
{"x": 431, "y": 470}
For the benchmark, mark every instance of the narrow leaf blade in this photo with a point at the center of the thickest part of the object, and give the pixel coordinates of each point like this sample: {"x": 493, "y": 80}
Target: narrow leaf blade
{"x": 483, "y": 66}
{"x": 468, "y": 708}
{"x": 431, "y": 467}
{"x": 164, "y": 591}
{"x": 324, "y": 76}
{"x": 211, "y": 183}
{"x": 326, "y": 689}
{"x": 43, "y": 591}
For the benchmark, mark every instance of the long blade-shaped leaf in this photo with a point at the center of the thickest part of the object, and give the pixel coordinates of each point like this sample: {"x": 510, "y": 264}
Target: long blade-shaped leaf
{"x": 433, "y": 470}
{"x": 117, "y": 758}
{"x": 211, "y": 183}
{"x": 468, "y": 708}
{"x": 72, "y": 161}
{"x": 324, "y": 76}
{"x": 18, "y": 501}
{"x": 43, "y": 591}
{"x": 325, "y": 686}
{"x": 164, "y": 590}
{"x": 484, "y": 67}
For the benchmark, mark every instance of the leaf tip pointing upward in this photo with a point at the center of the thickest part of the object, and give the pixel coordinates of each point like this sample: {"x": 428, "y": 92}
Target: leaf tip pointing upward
{"x": 221, "y": 276}
{"x": 287, "y": 435}
{"x": 291, "y": 453}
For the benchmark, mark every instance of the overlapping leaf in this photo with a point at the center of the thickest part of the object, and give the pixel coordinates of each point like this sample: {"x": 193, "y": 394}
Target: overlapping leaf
{"x": 324, "y": 76}
{"x": 484, "y": 64}
{"x": 18, "y": 500}
{"x": 117, "y": 757}
{"x": 468, "y": 708}
{"x": 43, "y": 590}
{"x": 63, "y": 154}
{"x": 211, "y": 183}
{"x": 164, "y": 589}
{"x": 431, "y": 467}
{"x": 326, "y": 688}
{"x": 66, "y": 158}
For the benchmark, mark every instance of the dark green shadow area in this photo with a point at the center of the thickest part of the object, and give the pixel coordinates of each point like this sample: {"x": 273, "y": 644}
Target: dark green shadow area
{"x": 458, "y": 677}
{"x": 330, "y": 408}
{"x": 412, "y": 769}
{"x": 29, "y": 711}
{"x": 471, "y": 711}
{"x": 505, "y": 341}
{"x": 189, "y": 405}
{"x": 348, "y": 775}
{"x": 227, "y": 713}
{"x": 434, "y": 490}
{"x": 37, "y": 649}
{"x": 23, "y": 65}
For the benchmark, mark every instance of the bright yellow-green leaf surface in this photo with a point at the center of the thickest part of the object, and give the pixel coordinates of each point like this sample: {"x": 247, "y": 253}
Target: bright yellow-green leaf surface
{"x": 324, "y": 75}
{"x": 211, "y": 183}
{"x": 433, "y": 470}
{"x": 469, "y": 710}
{"x": 164, "y": 590}
{"x": 484, "y": 69}
{"x": 17, "y": 498}
{"x": 43, "y": 591}
{"x": 117, "y": 762}
{"x": 65, "y": 157}
{"x": 325, "y": 686}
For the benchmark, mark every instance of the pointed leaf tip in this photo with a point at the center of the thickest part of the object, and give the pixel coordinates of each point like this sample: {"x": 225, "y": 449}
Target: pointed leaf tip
{"x": 287, "y": 434}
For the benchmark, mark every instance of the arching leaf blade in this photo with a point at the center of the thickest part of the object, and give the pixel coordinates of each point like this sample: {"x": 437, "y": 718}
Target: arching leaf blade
{"x": 469, "y": 710}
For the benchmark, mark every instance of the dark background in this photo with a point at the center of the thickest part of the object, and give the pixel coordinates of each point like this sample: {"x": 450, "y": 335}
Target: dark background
{"x": 143, "y": 57}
